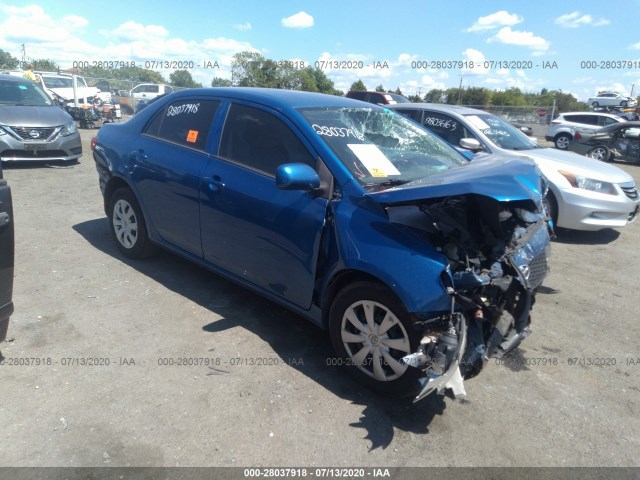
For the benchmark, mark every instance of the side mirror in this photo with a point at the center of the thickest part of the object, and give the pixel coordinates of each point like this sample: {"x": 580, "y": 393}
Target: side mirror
{"x": 297, "y": 176}
{"x": 470, "y": 144}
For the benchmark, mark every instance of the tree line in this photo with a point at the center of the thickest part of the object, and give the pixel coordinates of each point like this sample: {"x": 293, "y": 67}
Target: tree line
{"x": 251, "y": 69}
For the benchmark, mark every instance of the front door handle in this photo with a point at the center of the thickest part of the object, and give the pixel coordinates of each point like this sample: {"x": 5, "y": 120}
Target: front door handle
{"x": 214, "y": 183}
{"x": 138, "y": 156}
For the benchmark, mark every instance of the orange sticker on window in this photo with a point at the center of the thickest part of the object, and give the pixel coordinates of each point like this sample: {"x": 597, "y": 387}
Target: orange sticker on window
{"x": 192, "y": 136}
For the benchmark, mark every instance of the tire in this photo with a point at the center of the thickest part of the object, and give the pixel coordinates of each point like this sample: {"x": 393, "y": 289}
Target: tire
{"x": 595, "y": 104}
{"x": 375, "y": 361}
{"x": 562, "y": 141}
{"x": 127, "y": 225}
{"x": 599, "y": 153}
{"x": 623, "y": 103}
{"x": 97, "y": 102}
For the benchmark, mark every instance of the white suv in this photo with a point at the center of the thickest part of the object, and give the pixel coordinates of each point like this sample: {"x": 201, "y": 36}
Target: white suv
{"x": 611, "y": 99}
{"x": 562, "y": 127}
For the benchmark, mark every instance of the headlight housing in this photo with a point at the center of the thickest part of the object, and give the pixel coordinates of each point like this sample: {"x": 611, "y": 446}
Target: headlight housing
{"x": 599, "y": 186}
{"x": 69, "y": 129}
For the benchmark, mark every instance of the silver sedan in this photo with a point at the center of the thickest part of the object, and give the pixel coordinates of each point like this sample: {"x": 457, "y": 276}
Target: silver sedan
{"x": 584, "y": 194}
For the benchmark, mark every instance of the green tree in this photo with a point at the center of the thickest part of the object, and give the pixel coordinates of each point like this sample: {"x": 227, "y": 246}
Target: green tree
{"x": 8, "y": 61}
{"x": 220, "y": 82}
{"x": 380, "y": 88}
{"x": 511, "y": 97}
{"x": 415, "y": 98}
{"x": 435, "y": 95}
{"x": 397, "y": 91}
{"x": 183, "y": 78}
{"x": 359, "y": 85}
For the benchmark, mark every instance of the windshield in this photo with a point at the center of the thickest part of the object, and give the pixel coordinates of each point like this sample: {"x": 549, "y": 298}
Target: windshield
{"x": 501, "y": 133}
{"x": 22, "y": 94}
{"x": 381, "y": 147}
{"x": 62, "y": 82}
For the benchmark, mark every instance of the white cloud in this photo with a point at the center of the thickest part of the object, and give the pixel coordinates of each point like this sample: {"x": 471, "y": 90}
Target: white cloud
{"x": 577, "y": 19}
{"x": 31, "y": 25}
{"x": 478, "y": 59}
{"x": 132, "y": 31}
{"x": 243, "y": 26}
{"x": 635, "y": 46}
{"x": 520, "y": 38}
{"x": 495, "y": 20}
{"x": 299, "y": 20}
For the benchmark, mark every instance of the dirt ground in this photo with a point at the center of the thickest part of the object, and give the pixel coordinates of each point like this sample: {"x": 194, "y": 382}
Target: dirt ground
{"x": 106, "y": 340}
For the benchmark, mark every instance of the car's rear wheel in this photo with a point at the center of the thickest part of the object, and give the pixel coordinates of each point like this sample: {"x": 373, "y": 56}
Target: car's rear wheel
{"x": 371, "y": 331}
{"x": 599, "y": 153}
{"x": 562, "y": 141}
{"x": 128, "y": 226}
{"x": 595, "y": 104}
{"x": 623, "y": 103}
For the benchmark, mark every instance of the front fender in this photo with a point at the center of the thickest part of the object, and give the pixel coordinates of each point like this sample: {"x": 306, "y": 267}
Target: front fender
{"x": 362, "y": 239}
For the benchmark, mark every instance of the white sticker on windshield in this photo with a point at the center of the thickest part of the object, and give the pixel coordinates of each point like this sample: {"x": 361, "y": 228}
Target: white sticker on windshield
{"x": 477, "y": 121}
{"x": 373, "y": 160}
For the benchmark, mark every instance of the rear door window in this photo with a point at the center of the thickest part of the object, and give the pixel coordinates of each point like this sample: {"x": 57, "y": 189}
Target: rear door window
{"x": 186, "y": 122}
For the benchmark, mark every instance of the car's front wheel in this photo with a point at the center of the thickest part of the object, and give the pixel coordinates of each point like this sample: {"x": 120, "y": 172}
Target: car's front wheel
{"x": 599, "y": 153}
{"x": 562, "y": 141}
{"x": 371, "y": 331}
{"x": 128, "y": 226}
{"x": 595, "y": 104}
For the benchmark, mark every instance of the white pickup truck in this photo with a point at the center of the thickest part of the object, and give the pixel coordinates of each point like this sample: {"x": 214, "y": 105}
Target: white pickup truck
{"x": 61, "y": 84}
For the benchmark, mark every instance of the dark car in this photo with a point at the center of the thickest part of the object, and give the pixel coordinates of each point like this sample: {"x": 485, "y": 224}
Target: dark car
{"x": 6, "y": 257}
{"x": 619, "y": 142}
{"x": 32, "y": 126}
{"x": 379, "y": 98}
{"x": 349, "y": 214}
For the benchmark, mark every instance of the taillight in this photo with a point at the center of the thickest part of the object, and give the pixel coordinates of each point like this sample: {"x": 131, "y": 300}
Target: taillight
{"x": 94, "y": 142}
{"x": 577, "y": 136}
{"x": 555, "y": 123}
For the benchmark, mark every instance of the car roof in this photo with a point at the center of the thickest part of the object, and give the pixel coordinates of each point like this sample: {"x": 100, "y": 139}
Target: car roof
{"x": 14, "y": 78}
{"x": 274, "y": 97}
{"x": 459, "y": 109}
{"x": 590, "y": 113}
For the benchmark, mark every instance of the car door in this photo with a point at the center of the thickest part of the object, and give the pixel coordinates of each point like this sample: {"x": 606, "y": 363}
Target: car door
{"x": 250, "y": 228}
{"x": 6, "y": 256}
{"x": 167, "y": 166}
{"x": 625, "y": 144}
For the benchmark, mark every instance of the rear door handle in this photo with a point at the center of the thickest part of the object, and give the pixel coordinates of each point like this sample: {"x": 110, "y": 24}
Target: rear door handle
{"x": 214, "y": 183}
{"x": 4, "y": 219}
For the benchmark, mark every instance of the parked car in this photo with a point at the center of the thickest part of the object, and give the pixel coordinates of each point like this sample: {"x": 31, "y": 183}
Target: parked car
{"x": 32, "y": 127}
{"x": 584, "y": 194}
{"x": 612, "y": 99}
{"x": 6, "y": 257}
{"x": 149, "y": 90}
{"x": 379, "y": 98}
{"x": 620, "y": 142}
{"x": 560, "y": 131}
{"x": 348, "y": 214}
{"x": 60, "y": 85}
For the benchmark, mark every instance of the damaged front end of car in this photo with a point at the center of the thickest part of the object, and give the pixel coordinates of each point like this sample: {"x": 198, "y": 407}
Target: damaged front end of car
{"x": 497, "y": 253}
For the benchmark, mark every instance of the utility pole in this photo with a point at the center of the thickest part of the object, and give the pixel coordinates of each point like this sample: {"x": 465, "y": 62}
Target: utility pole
{"x": 460, "y": 91}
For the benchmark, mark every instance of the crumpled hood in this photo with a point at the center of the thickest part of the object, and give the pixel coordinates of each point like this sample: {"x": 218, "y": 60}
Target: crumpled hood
{"x": 502, "y": 178}
{"x": 608, "y": 172}
{"x": 26, "y": 116}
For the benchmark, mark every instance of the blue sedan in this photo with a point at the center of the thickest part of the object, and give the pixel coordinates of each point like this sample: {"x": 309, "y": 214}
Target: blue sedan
{"x": 419, "y": 263}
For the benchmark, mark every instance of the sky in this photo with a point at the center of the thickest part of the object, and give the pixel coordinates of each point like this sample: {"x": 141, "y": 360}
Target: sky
{"x": 576, "y": 46}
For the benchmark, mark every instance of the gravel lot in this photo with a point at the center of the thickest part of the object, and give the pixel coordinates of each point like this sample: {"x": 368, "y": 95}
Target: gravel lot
{"x": 76, "y": 298}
